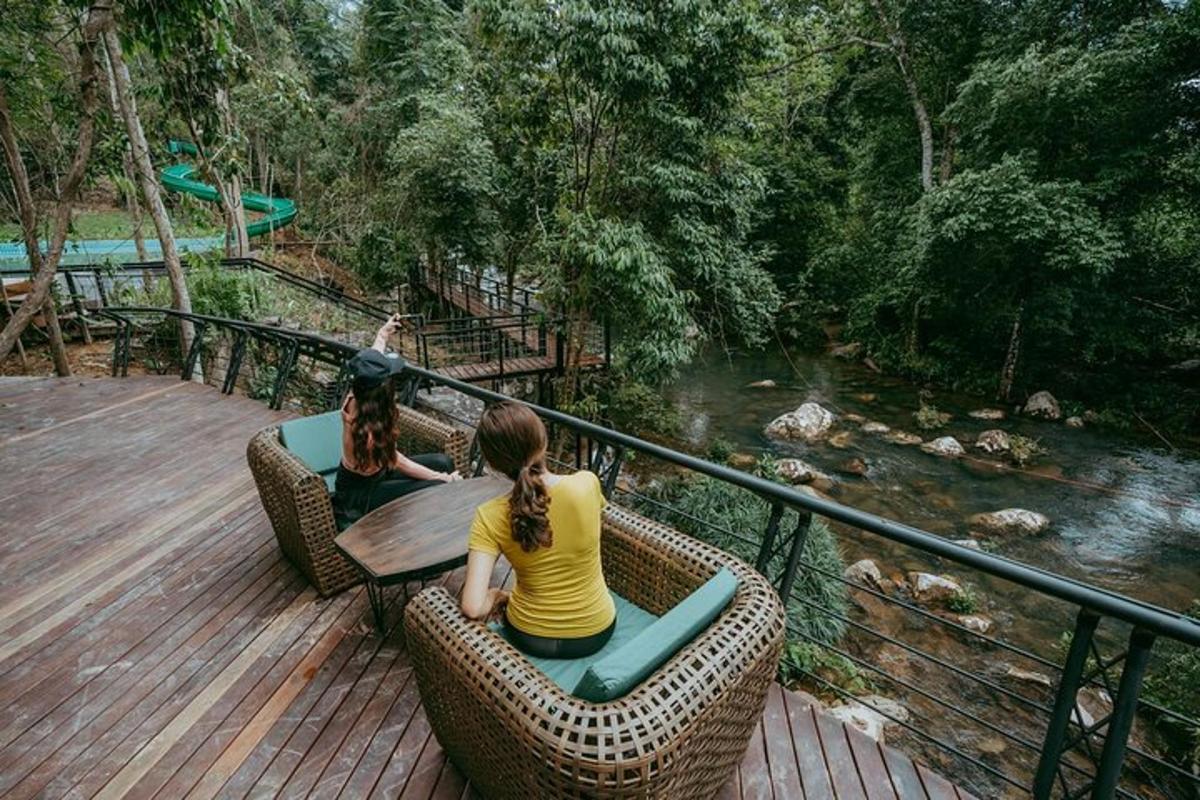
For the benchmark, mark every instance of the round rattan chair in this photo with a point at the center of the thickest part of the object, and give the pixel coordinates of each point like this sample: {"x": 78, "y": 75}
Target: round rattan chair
{"x": 680, "y": 734}
{"x": 298, "y": 503}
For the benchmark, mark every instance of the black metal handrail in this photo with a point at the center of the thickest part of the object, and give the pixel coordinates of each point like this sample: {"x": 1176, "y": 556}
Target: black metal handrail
{"x": 1083, "y": 666}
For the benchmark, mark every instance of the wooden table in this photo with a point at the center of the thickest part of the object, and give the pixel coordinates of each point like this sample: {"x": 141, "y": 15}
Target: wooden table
{"x": 416, "y": 536}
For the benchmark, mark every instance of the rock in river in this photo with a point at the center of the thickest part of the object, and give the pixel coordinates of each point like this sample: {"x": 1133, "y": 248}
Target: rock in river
{"x": 865, "y": 572}
{"x": 864, "y": 716}
{"x": 994, "y": 441}
{"x": 841, "y": 440}
{"x": 1042, "y": 404}
{"x": 1009, "y": 521}
{"x": 796, "y": 471}
{"x": 987, "y": 413}
{"x": 944, "y": 446}
{"x": 903, "y": 437}
{"x": 875, "y": 427}
{"x": 853, "y": 466}
{"x": 1074, "y": 422}
{"x": 929, "y": 588}
{"x": 810, "y": 423}
{"x": 848, "y": 352}
{"x": 767, "y": 384}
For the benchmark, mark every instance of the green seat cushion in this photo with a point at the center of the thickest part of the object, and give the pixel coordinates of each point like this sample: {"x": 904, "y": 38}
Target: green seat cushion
{"x": 615, "y": 672}
{"x": 566, "y": 672}
{"x": 317, "y": 441}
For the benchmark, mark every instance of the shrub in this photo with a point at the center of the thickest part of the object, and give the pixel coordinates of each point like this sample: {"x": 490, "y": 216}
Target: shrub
{"x": 735, "y": 520}
{"x": 719, "y": 450}
{"x": 1173, "y": 682}
{"x": 964, "y": 601}
{"x": 1023, "y": 450}
{"x": 929, "y": 418}
{"x": 802, "y": 660}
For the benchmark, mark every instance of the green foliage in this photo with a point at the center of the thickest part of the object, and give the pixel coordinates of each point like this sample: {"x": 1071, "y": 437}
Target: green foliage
{"x": 1173, "y": 681}
{"x": 221, "y": 292}
{"x": 720, "y": 450}
{"x": 803, "y": 659}
{"x": 1024, "y": 450}
{"x": 929, "y": 418}
{"x": 964, "y": 601}
{"x": 735, "y": 520}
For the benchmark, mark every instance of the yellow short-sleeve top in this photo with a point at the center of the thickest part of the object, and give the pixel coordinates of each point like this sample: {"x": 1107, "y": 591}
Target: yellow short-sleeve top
{"x": 560, "y": 589}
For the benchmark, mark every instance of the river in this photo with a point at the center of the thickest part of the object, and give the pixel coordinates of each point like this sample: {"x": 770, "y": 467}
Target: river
{"x": 1125, "y": 512}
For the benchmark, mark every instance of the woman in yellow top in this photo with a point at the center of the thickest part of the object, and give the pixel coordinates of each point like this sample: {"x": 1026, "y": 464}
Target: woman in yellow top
{"x": 549, "y": 530}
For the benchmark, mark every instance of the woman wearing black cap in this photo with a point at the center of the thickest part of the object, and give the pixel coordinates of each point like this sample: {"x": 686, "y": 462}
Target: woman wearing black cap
{"x": 373, "y": 472}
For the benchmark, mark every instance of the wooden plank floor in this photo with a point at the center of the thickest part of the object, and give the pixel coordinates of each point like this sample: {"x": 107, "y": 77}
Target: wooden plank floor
{"x": 153, "y": 642}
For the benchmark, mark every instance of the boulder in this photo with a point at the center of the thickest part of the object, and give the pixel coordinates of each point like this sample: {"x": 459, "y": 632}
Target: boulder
{"x": 742, "y": 460}
{"x": 972, "y": 544}
{"x": 904, "y": 438}
{"x": 975, "y": 622}
{"x": 1009, "y": 522}
{"x": 944, "y": 446}
{"x": 853, "y": 466}
{"x": 994, "y": 441}
{"x": 849, "y": 352}
{"x": 1016, "y": 673}
{"x": 865, "y": 714}
{"x": 796, "y": 471}
{"x": 857, "y": 419}
{"x": 990, "y": 414}
{"x": 810, "y": 423}
{"x": 1074, "y": 422}
{"x": 765, "y": 384}
{"x": 929, "y": 588}
{"x": 865, "y": 572}
{"x": 1042, "y": 404}
{"x": 875, "y": 427}
{"x": 841, "y": 440}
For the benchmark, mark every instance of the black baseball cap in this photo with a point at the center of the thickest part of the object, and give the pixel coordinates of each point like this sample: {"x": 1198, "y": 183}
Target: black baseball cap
{"x": 371, "y": 367}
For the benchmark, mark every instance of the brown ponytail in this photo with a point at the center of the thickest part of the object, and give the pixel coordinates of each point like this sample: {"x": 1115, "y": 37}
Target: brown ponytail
{"x": 376, "y": 425}
{"x": 513, "y": 440}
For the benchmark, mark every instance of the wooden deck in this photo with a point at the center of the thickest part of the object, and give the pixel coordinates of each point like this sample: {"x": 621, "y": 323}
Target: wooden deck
{"x": 154, "y": 643}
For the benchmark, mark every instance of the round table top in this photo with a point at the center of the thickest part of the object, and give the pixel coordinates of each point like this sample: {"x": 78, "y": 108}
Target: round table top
{"x": 421, "y": 534}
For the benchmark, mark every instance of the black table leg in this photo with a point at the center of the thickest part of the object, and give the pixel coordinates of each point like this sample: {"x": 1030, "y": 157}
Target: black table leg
{"x": 375, "y": 595}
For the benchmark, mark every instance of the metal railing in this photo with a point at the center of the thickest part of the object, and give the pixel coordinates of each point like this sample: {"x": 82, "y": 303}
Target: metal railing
{"x": 1038, "y": 743}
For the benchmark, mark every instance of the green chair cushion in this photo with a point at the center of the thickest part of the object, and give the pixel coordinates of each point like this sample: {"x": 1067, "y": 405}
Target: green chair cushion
{"x": 317, "y": 441}
{"x": 640, "y": 644}
{"x": 566, "y": 672}
{"x": 616, "y": 672}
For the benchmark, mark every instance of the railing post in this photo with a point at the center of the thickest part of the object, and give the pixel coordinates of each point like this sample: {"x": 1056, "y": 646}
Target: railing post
{"x": 768, "y": 543}
{"x": 126, "y": 349}
{"x": 799, "y": 537}
{"x": 117, "y": 340}
{"x": 1108, "y": 772}
{"x": 1064, "y": 703}
{"x": 285, "y": 371}
{"x": 100, "y": 288}
{"x": 607, "y": 342}
{"x": 82, "y": 317}
{"x": 193, "y": 353}
{"x": 235, "y": 361}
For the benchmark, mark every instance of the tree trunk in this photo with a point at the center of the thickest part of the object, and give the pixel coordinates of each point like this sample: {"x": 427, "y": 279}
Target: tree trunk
{"x": 920, "y": 111}
{"x": 947, "y": 165}
{"x": 151, "y": 191}
{"x": 1008, "y": 374}
{"x": 231, "y": 189}
{"x": 44, "y": 270}
{"x": 130, "y": 193}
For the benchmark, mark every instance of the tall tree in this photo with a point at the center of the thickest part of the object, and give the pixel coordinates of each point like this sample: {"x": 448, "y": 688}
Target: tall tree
{"x": 45, "y": 268}
{"x": 148, "y": 179}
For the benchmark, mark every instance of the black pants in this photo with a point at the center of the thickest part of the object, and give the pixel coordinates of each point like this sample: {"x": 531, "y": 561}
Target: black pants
{"x": 355, "y": 494}
{"x": 551, "y": 647}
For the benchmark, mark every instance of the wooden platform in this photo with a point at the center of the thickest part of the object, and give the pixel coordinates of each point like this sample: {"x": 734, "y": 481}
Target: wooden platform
{"x": 153, "y": 642}
{"x": 512, "y": 367}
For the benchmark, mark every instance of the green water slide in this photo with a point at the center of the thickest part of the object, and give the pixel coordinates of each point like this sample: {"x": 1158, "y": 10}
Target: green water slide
{"x": 278, "y": 211}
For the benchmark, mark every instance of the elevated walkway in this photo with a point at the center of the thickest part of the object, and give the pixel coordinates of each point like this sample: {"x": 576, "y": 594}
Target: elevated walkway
{"x": 153, "y": 641}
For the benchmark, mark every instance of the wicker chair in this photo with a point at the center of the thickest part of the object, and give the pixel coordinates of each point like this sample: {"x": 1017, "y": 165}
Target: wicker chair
{"x": 680, "y": 734}
{"x": 299, "y": 505}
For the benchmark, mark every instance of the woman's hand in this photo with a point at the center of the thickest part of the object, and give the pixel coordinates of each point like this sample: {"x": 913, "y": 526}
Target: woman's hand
{"x": 394, "y": 323}
{"x": 449, "y": 477}
{"x": 499, "y": 600}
